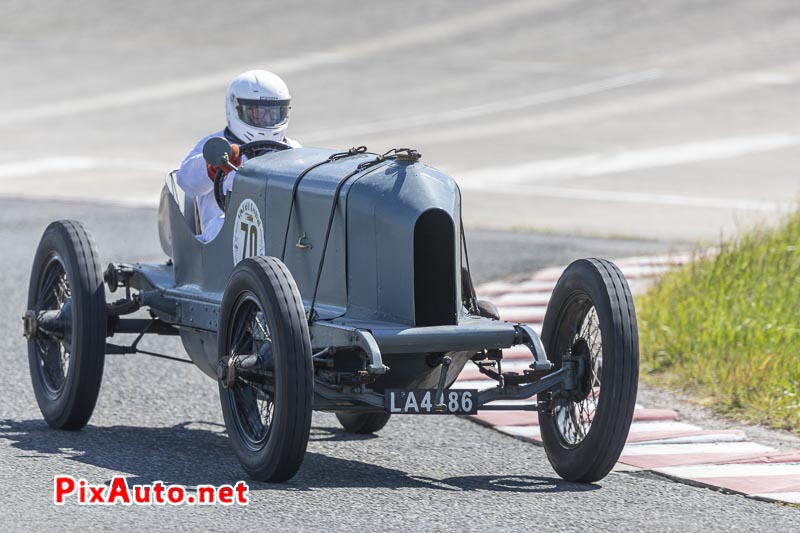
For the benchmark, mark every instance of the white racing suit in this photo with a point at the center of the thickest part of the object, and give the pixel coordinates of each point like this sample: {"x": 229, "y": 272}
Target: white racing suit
{"x": 193, "y": 179}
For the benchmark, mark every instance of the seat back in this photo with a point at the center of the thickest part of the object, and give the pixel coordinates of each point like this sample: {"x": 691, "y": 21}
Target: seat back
{"x": 186, "y": 204}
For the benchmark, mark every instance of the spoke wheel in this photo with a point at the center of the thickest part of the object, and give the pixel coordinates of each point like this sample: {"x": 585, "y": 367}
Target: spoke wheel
{"x": 52, "y": 350}
{"x": 265, "y": 352}
{"x": 590, "y": 322}
{"x": 66, "y": 325}
{"x": 253, "y": 400}
{"x": 574, "y": 411}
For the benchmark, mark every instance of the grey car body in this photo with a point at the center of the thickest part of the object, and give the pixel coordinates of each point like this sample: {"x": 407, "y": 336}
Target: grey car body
{"x": 339, "y": 281}
{"x": 391, "y": 279}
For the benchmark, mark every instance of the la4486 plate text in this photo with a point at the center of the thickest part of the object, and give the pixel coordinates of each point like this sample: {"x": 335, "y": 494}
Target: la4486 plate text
{"x": 424, "y": 402}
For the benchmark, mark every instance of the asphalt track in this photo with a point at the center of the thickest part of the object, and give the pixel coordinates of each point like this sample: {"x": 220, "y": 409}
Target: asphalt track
{"x": 159, "y": 420}
{"x": 663, "y": 121}
{"x": 668, "y": 120}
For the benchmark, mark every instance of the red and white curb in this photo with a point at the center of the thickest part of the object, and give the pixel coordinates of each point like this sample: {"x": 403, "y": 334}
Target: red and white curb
{"x": 658, "y": 440}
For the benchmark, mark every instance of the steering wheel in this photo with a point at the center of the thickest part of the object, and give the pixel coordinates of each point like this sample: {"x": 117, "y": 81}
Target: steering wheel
{"x": 257, "y": 148}
{"x": 251, "y": 150}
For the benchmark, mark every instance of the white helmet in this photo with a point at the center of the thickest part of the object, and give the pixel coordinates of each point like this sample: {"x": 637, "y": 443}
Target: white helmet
{"x": 257, "y": 106}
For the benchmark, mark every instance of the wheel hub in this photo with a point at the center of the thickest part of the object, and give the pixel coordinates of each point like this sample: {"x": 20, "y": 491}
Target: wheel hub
{"x": 29, "y": 324}
{"x": 582, "y": 356}
{"x": 256, "y": 368}
{"x": 226, "y": 372}
{"x": 55, "y": 323}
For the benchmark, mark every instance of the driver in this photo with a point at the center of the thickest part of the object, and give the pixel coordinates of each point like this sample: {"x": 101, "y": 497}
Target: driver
{"x": 257, "y": 109}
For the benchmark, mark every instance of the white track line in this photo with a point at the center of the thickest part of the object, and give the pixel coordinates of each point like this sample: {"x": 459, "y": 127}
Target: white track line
{"x": 68, "y": 164}
{"x": 653, "y": 101}
{"x": 788, "y": 497}
{"x": 731, "y": 470}
{"x": 508, "y": 286}
{"x": 182, "y": 88}
{"x": 531, "y": 432}
{"x": 48, "y": 165}
{"x": 490, "y": 109}
{"x": 535, "y": 310}
{"x": 708, "y": 438}
{"x": 634, "y": 198}
{"x": 695, "y": 448}
{"x": 453, "y": 26}
{"x": 591, "y": 165}
{"x": 520, "y": 298}
{"x": 79, "y": 198}
{"x": 460, "y": 23}
{"x": 659, "y": 426}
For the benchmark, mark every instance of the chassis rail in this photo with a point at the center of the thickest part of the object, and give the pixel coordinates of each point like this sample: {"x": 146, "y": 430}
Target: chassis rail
{"x": 173, "y": 308}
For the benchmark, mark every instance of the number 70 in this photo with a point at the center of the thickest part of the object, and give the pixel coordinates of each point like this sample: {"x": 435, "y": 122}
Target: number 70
{"x": 250, "y": 231}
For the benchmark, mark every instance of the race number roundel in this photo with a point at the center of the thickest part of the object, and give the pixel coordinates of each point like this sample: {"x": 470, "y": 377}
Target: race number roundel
{"x": 248, "y": 232}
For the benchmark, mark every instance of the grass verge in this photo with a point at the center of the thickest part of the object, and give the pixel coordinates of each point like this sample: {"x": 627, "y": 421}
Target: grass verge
{"x": 726, "y": 328}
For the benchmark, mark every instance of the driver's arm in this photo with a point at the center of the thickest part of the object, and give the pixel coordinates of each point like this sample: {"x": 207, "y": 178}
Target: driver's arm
{"x": 193, "y": 176}
{"x": 193, "y": 173}
{"x": 194, "y": 169}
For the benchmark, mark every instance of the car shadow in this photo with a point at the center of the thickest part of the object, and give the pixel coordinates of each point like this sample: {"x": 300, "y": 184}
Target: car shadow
{"x": 194, "y": 453}
{"x": 332, "y": 434}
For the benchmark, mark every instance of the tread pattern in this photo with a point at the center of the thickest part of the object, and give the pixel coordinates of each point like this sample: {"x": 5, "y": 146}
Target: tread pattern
{"x": 74, "y": 408}
{"x": 626, "y": 337}
{"x": 596, "y": 455}
{"x": 271, "y": 281}
{"x": 291, "y": 307}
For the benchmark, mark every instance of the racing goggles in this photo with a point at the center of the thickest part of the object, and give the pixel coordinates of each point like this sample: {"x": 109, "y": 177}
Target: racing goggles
{"x": 263, "y": 113}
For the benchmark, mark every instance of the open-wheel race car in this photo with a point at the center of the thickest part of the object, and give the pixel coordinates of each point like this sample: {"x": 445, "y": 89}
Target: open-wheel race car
{"x": 339, "y": 282}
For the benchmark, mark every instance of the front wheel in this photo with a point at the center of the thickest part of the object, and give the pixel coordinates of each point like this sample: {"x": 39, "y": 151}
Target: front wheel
{"x": 266, "y": 375}
{"x": 65, "y": 325}
{"x": 590, "y": 322}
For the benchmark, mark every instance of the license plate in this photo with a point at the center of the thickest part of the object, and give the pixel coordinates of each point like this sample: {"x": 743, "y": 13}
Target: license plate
{"x": 423, "y": 402}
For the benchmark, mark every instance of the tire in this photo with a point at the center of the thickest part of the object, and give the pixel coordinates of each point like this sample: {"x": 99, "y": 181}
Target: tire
{"x": 585, "y": 430}
{"x": 363, "y": 423}
{"x": 67, "y": 368}
{"x": 268, "y": 423}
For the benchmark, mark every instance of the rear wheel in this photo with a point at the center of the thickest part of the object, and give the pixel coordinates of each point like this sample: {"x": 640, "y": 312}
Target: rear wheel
{"x": 363, "y": 423}
{"x": 590, "y": 322}
{"x": 66, "y": 325}
{"x": 266, "y": 380}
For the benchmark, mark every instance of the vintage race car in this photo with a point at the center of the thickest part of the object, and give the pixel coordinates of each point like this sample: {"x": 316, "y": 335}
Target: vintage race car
{"x": 339, "y": 282}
